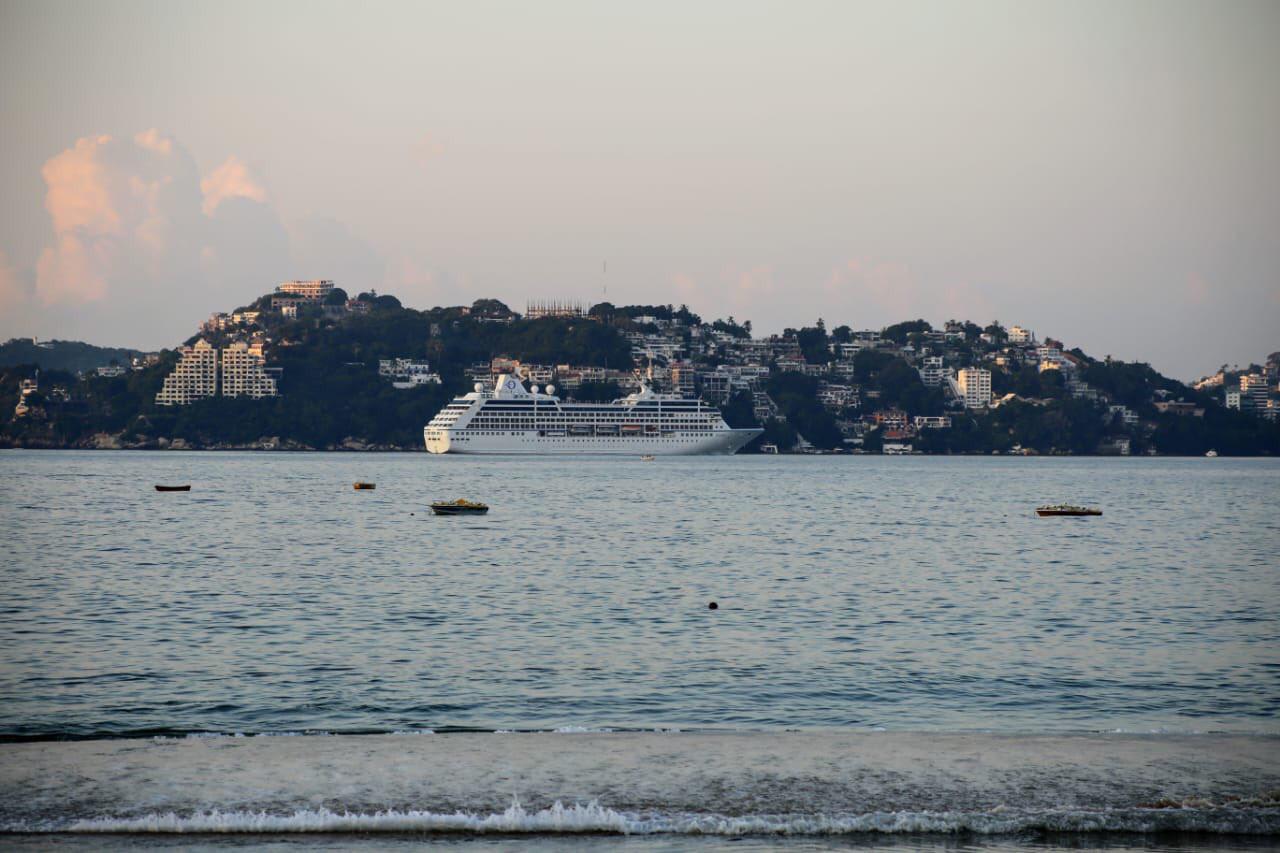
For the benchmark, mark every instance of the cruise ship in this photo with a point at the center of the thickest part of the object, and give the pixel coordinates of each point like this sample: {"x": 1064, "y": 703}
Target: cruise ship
{"x": 513, "y": 419}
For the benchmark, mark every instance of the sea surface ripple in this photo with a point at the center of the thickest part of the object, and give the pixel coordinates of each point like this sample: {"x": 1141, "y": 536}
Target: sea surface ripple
{"x": 898, "y": 593}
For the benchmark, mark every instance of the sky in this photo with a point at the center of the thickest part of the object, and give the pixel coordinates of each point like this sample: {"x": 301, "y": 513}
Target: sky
{"x": 1106, "y": 173}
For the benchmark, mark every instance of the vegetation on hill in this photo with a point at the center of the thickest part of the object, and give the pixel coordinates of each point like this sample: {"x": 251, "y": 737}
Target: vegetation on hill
{"x": 72, "y": 356}
{"x": 331, "y": 394}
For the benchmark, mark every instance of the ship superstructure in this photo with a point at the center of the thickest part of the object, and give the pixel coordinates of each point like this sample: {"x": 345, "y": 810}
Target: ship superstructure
{"x": 512, "y": 419}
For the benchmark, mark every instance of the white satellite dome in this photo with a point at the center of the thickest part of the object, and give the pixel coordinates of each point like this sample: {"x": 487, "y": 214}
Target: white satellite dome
{"x": 534, "y": 388}
{"x": 479, "y": 386}
{"x": 550, "y": 389}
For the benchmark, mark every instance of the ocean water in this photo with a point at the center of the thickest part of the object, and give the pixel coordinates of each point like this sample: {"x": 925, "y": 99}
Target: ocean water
{"x": 857, "y": 596}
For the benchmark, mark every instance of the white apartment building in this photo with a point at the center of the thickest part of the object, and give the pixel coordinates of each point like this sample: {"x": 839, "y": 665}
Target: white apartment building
{"x": 1124, "y": 414}
{"x": 931, "y": 422}
{"x": 216, "y": 323}
{"x": 1019, "y": 335}
{"x": 837, "y": 397}
{"x": 407, "y": 373}
{"x": 1052, "y": 358}
{"x": 314, "y": 290}
{"x": 1233, "y": 398}
{"x": 244, "y": 372}
{"x": 1254, "y": 390}
{"x": 194, "y": 377}
{"x": 931, "y": 371}
{"x": 973, "y": 386}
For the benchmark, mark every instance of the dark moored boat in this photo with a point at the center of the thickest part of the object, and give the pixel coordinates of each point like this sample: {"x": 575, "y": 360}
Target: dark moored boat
{"x": 185, "y": 488}
{"x": 1066, "y": 509}
{"x": 363, "y": 486}
{"x": 459, "y": 507}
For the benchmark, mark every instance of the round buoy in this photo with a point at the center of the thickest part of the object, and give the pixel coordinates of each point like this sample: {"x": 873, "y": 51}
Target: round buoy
{"x": 713, "y": 606}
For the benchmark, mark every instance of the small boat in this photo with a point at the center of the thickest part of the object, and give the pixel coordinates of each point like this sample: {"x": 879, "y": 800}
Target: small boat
{"x": 459, "y": 507}
{"x": 185, "y": 488}
{"x": 1212, "y": 454}
{"x": 647, "y": 458}
{"x": 359, "y": 486}
{"x": 1066, "y": 509}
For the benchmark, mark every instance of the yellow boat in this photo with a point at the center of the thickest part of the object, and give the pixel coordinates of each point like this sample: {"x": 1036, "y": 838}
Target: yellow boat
{"x": 459, "y": 507}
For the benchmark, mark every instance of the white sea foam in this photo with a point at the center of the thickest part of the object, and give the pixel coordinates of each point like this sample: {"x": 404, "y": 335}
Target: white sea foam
{"x": 595, "y": 818}
{"x": 579, "y": 730}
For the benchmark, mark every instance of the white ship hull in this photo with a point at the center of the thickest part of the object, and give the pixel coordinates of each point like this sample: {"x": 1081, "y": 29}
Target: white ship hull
{"x": 513, "y": 420}
{"x": 719, "y": 442}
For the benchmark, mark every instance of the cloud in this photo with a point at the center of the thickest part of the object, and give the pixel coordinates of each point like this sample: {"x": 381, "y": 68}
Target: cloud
{"x": 153, "y": 141}
{"x": 887, "y": 285}
{"x": 323, "y": 247}
{"x": 142, "y": 246}
{"x": 685, "y": 286}
{"x": 965, "y": 301}
{"x": 122, "y": 211}
{"x": 1196, "y": 291}
{"x": 13, "y": 291}
{"x": 230, "y": 180}
{"x": 427, "y": 149}
{"x": 756, "y": 281}
{"x": 246, "y": 249}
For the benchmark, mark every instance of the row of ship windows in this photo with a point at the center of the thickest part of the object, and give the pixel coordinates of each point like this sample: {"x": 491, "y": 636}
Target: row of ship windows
{"x": 571, "y": 437}
{"x": 545, "y": 414}
{"x": 581, "y": 410}
{"x": 611, "y": 407}
{"x": 574, "y": 420}
{"x": 541, "y": 433}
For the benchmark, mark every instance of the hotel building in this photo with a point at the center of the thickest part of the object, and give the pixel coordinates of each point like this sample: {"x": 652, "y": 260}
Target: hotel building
{"x": 314, "y": 290}
{"x": 974, "y": 385}
{"x": 244, "y": 372}
{"x": 194, "y": 377}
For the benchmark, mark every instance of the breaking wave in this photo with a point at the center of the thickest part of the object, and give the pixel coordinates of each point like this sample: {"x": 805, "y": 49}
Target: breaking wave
{"x": 595, "y": 818}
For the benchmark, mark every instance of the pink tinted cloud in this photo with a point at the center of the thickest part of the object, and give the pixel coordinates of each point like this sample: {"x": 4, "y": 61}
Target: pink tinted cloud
{"x": 79, "y": 196}
{"x": 13, "y": 292}
{"x": 1196, "y": 290}
{"x": 108, "y": 199}
{"x": 70, "y": 271}
{"x": 965, "y": 301}
{"x": 889, "y": 285}
{"x": 685, "y": 287}
{"x": 230, "y": 180}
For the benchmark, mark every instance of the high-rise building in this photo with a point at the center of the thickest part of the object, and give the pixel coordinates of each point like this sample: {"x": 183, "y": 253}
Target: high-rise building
{"x": 974, "y": 384}
{"x": 194, "y": 377}
{"x": 314, "y": 290}
{"x": 682, "y": 373}
{"x": 1254, "y": 390}
{"x": 931, "y": 371}
{"x": 244, "y": 372}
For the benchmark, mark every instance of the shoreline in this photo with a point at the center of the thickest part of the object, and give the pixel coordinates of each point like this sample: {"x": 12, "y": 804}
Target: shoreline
{"x": 789, "y": 783}
{"x": 260, "y": 448}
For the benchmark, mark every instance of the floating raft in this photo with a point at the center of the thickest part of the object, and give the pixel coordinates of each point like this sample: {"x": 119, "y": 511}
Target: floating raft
{"x": 185, "y": 488}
